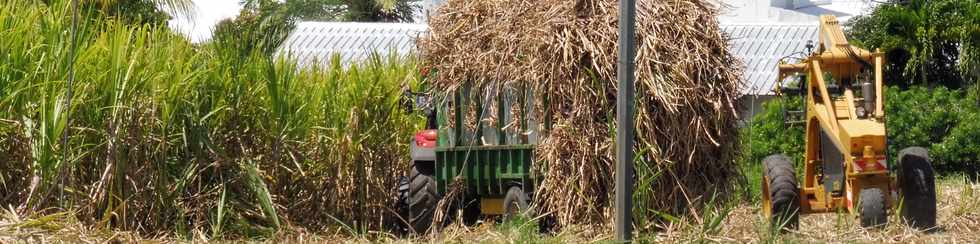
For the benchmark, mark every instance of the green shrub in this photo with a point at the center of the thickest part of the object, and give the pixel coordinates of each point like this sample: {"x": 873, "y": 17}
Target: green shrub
{"x": 943, "y": 120}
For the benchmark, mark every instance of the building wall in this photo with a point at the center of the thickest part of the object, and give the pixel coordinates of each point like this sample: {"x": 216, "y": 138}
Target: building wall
{"x": 791, "y": 11}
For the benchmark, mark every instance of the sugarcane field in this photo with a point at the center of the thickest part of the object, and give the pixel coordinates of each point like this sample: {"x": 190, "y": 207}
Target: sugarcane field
{"x": 490, "y": 121}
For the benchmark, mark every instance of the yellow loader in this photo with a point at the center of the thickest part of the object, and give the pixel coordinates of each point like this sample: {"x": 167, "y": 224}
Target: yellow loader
{"x": 845, "y": 166}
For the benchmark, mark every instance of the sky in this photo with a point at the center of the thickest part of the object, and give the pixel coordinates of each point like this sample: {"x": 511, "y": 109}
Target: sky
{"x": 207, "y": 13}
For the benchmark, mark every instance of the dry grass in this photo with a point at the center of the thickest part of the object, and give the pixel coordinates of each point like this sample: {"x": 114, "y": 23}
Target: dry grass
{"x": 959, "y": 222}
{"x": 565, "y": 52}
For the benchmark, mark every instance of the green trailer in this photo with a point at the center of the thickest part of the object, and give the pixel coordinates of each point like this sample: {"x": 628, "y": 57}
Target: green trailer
{"x": 488, "y": 167}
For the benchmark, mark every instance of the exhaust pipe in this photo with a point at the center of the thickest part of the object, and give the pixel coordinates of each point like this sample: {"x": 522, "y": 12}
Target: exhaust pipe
{"x": 868, "y": 93}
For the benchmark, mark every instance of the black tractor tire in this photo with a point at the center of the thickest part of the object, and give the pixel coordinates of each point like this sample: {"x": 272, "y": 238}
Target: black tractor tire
{"x": 515, "y": 202}
{"x": 917, "y": 188}
{"x": 872, "y": 208}
{"x": 398, "y": 223}
{"x": 783, "y": 192}
{"x": 422, "y": 199}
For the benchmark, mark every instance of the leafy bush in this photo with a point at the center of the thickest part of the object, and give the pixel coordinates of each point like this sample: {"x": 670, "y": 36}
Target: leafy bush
{"x": 941, "y": 119}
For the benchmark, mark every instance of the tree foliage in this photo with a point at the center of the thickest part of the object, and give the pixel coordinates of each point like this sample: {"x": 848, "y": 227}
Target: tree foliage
{"x": 137, "y": 12}
{"x": 345, "y": 10}
{"x": 927, "y": 42}
{"x": 262, "y": 25}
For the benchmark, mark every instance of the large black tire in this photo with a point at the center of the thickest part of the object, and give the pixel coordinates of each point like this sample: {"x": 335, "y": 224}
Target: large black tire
{"x": 515, "y": 202}
{"x": 783, "y": 193}
{"x": 397, "y": 223}
{"x": 422, "y": 199}
{"x": 872, "y": 208}
{"x": 917, "y": 188}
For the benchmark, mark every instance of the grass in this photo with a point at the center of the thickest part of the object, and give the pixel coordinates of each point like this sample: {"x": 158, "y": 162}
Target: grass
{"x": 736, "y": 222}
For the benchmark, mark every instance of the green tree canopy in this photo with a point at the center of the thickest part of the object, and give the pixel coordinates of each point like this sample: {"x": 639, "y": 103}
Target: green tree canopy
{"x": 152, "y": 12}
{"x": 344, "y": 10}
{"x": 928, "y": 42}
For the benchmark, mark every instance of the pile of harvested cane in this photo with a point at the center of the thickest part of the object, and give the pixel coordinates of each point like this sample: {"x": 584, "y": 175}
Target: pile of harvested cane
{"x": 566, "y": 50}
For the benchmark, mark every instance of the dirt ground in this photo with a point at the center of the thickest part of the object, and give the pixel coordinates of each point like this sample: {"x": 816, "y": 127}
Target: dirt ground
{"x": 959, "y": 222}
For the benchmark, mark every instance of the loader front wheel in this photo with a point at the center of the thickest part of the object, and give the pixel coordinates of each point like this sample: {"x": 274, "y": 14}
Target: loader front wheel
{"x": 917, "y": 188}
{"x": 780, "y": 194}
{"x": 872, "y": 211}
{"x": 422, "y": 198}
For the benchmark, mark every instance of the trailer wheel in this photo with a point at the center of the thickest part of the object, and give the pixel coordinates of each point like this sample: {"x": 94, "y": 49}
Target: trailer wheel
{"x": 515, "y": 202}
{"x": 780, "y": 194}
{"x": 917, "y": 188}
{"x": 422, "y": 199}
{"x": 872, "y": 209}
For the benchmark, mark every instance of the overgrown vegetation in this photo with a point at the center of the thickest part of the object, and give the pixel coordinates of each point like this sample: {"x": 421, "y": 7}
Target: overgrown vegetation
{"x": 165, "y": 137}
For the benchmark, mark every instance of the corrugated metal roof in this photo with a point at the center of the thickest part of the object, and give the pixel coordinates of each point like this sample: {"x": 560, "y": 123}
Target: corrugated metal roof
{"x": 760, "y": 46}
{"x": 319, "y": 41}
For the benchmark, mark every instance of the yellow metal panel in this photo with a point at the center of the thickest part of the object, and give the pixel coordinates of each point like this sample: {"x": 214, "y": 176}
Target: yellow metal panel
{"x": 822, "y": 87}
{"x": 859, "y": 133}
{"x": 848, "y": 104}
{"x": 879, "y": 85}
{"x": 492, "y": 206}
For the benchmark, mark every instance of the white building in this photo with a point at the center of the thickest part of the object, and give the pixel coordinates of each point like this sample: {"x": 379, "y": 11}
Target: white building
{"x": 762, "y": 32}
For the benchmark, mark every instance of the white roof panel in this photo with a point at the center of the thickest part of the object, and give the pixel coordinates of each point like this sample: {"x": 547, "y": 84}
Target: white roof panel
{"x": 759, "y": 46}
{"x": 319, "y": 41}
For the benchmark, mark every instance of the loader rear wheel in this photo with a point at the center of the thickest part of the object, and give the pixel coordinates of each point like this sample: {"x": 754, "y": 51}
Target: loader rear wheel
{"x": 872, "y": 211}
{"x": 917, "y": 188}
{"x": 780, "y": 194}
{"x": 422, "y": 198}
